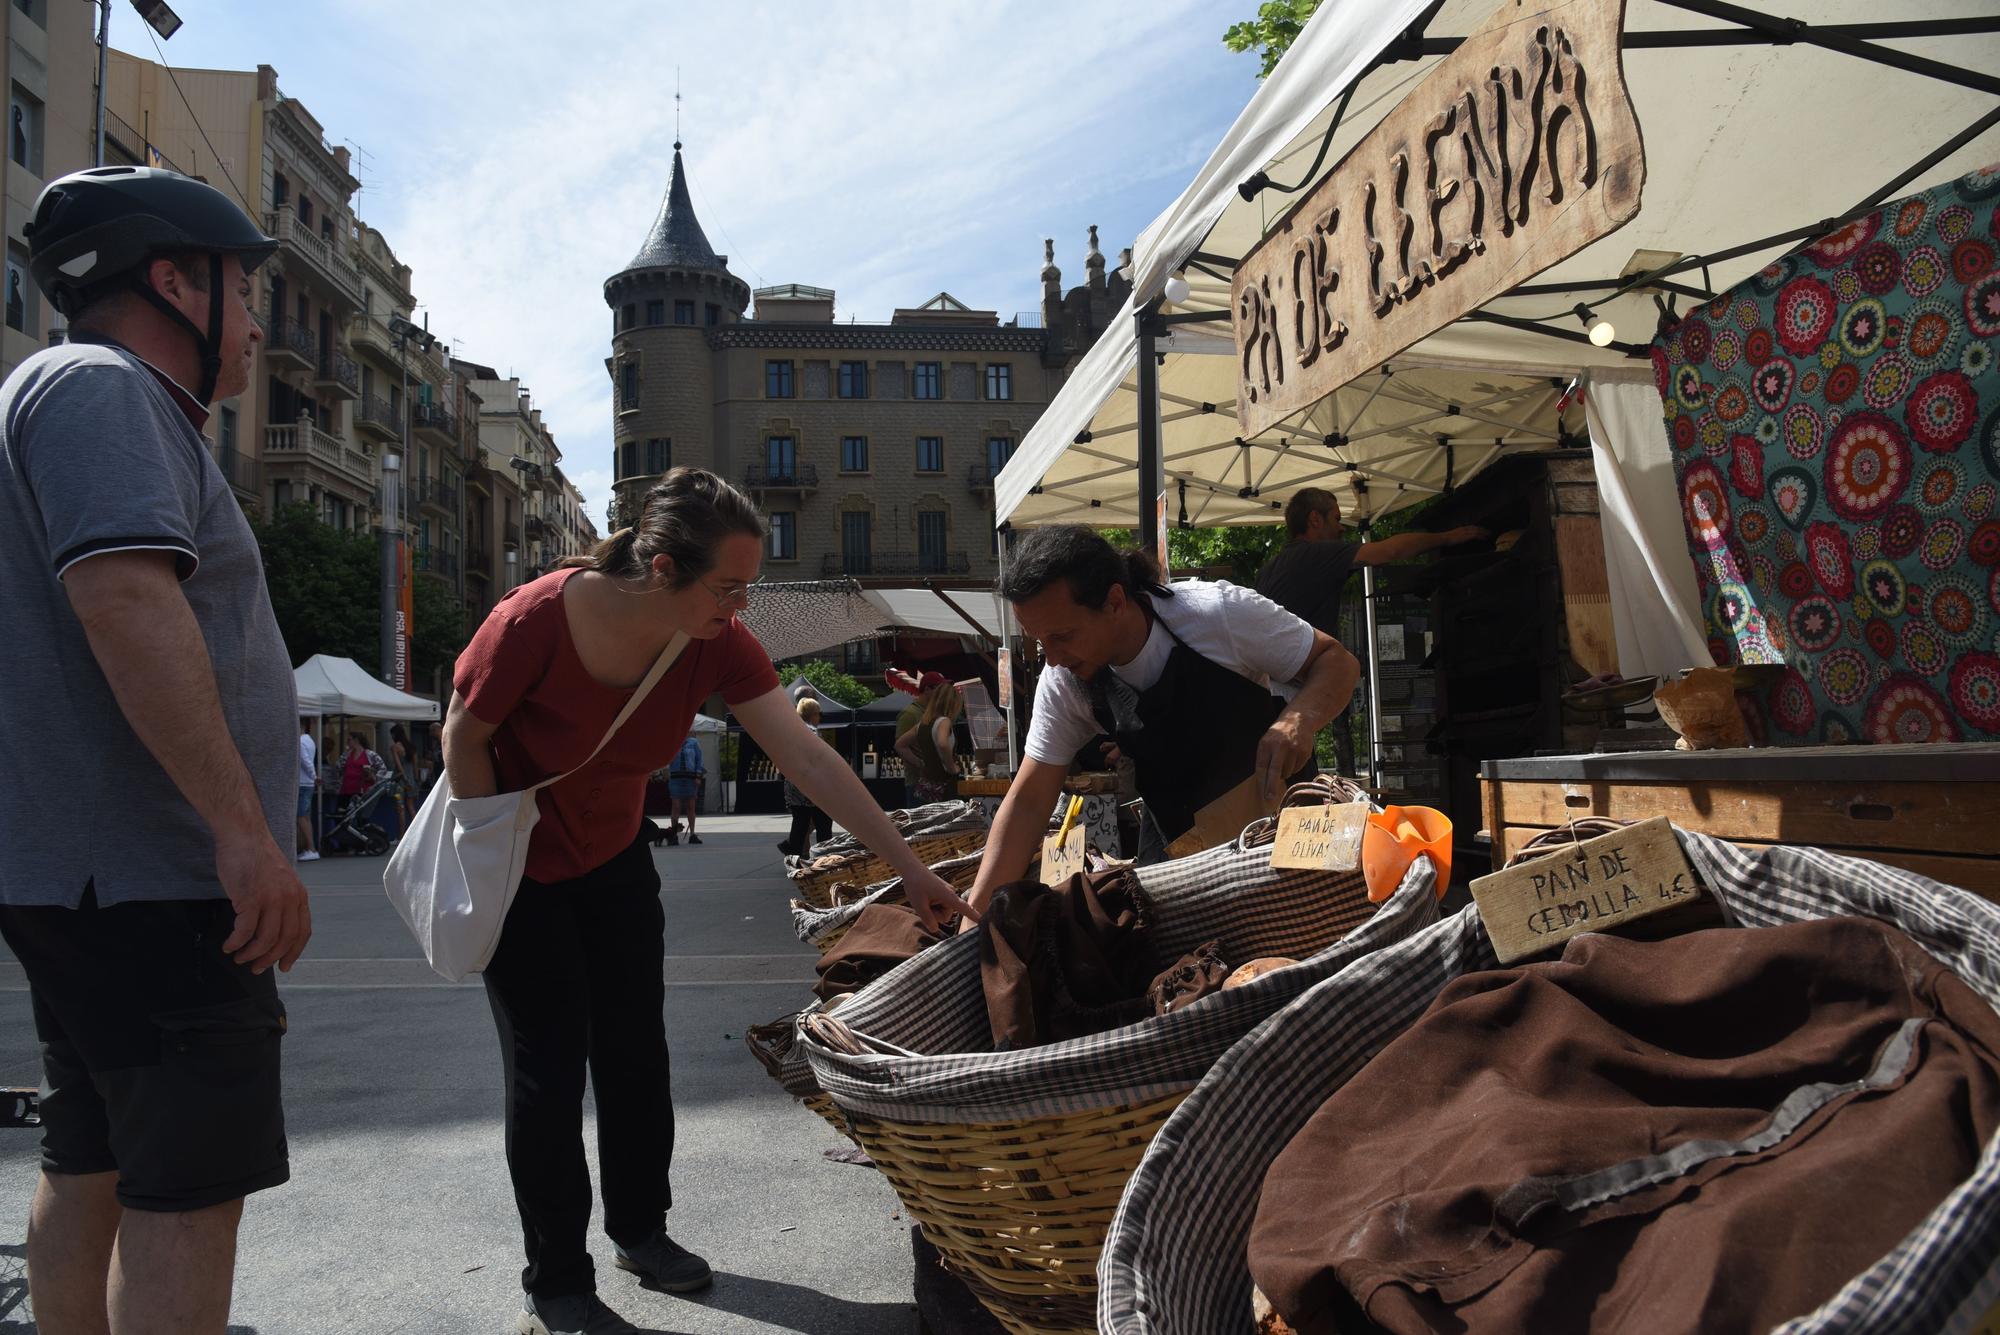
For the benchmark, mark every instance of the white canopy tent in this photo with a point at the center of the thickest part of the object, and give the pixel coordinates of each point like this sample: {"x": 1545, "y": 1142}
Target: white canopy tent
{"x": 327, "y": 685}
{"x": 928, "y": 609}
{"x": 1744, "y": 140}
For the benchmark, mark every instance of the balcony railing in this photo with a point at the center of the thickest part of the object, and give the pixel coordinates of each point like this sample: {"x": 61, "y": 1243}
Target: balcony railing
{"x": 896, "y": 563}
{"x": 289, "y": 338}
{"x": 979, "y": 477}
{"x": 333, "y": 267}
{"x": 538, "y": 528}
{"x": 511, "y": 535}
{"x": 303, "y": 440}
{"x": 434, "y": 562}
{"x": 239, "y": 470}
{"x": 374, "y": 415}
{"x": 434, "y": 418}
{"x": 795, "y": 477}
{"x": 479, "y": 561}
{"x": 338, "y": 375}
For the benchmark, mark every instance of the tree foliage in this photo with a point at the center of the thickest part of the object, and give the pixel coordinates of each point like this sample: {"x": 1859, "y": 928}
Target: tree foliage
{"x": 325, "y": 583}
{"x": 1272, "y": 32}
{"x": 830, "y": 681}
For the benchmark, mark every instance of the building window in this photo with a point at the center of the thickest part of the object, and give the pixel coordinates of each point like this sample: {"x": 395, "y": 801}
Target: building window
{"x": 24, "y": 136}
{"x": 777, "y": 380}
{"x": 305, "y": 211}
{"x": 226, "y": 429}
{"x": 930, "y": 454}
{"x": 854, "y": 380}
{"x": 857, "y": 541}
{"x": 784, "y": 535}
{"x": 326, "y": 229}
{"x": 20, "y": 296}
{"x": 859, "y": 656}
{"x": 631, "y": 469}
{"x": 659, "y": 454}
{"x": 854, "y": 454}
{"x": 656, "y": 312}
{"x": 713, "y": 313}
{"x": 631, "y": 314}
{"x": 628, "y": 386}
{"x": 781, "y": 458}
{"x": 684, "y": 312}
{"x": 931, "y": 534}
{"x": 281, "y": 190}
{"x": 930, "y": 381}
{"x": 33, "y": 9}
{"x": 1000, "y": 381}
{"x": 999, "y": 449}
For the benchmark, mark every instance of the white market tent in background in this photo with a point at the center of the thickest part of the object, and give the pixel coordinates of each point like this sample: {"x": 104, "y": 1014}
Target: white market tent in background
{"x": 1749, "y": 147}
{"x": 946, "y": 612}
{"x": 792, "y": 620}
{"x": 327, "y": 686}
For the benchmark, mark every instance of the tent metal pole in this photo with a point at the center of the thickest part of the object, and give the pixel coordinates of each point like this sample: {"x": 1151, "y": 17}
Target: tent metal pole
{"x": 1786, "y": 31}
{"x": 1374, "y": 670}
{"x": 1149, "y": 428}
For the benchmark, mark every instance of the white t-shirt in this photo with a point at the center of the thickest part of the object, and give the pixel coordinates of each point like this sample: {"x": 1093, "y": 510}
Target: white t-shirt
{"x": 1241, "y": 630}
{"x": 308, "y": 761}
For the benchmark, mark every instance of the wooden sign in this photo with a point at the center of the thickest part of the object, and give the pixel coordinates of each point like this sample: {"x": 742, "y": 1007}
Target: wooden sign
{"x": 1518, "y": 149}
{"x": 1223, "y": 819}
{"x": 1062, "y": 856}
{"x": 1326, "y": 837}
{"x": 1603, "y": 883}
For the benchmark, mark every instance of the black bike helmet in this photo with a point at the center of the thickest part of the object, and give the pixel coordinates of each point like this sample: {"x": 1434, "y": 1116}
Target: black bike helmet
{"x": 97, "y": 229}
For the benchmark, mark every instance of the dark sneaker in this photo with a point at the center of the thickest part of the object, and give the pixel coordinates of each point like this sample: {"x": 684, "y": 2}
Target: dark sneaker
{"x": 673, "y": 839}
{"x": 694, "y": 838}
{"x": 576, "y": 1314}
{"x": 664, "y": 1263}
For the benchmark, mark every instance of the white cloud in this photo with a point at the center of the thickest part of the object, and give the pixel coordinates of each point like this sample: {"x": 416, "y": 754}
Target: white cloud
{"x": 889, "y": 151}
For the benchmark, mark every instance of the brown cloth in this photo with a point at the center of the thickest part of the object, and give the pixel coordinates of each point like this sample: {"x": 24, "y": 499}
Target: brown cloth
{"x": 882, "y": 936}
{"x": 1062, "y": 962}
{"x": 1713, "y": 1132}
{"x": 1197, "y": 974}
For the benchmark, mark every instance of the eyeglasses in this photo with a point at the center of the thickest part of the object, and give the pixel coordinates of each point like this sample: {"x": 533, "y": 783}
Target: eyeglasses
{"x": 738, "y": 596}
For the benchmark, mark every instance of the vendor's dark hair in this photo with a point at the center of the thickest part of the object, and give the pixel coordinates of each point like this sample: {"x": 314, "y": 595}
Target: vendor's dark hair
{"x": 1082, "y": 556}
{"x": 1306, "y": 503}
{"x": 685, "y": 515}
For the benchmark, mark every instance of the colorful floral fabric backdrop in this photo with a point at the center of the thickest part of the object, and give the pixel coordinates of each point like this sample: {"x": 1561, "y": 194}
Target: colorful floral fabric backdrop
{"x": 1836, "y": 437}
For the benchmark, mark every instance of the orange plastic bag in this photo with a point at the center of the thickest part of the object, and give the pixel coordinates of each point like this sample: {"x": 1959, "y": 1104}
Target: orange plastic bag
{"x": 1392, "y": 841}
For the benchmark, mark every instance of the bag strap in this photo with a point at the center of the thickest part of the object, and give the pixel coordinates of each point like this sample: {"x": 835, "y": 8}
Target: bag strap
{"x": 639, "y": 694}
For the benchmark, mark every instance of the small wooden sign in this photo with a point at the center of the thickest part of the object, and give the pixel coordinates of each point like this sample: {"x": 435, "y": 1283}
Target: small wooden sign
{"x": 1223, "y": 819}
{"x": 1326, "y": 837}
{"x": 1602, "y": 883}
{"x": 1517, "y": 150}
{"x": 1063, "y": 858}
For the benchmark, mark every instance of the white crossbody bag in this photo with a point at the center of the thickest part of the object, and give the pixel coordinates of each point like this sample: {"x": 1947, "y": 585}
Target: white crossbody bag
{"x": 454, "y": 875}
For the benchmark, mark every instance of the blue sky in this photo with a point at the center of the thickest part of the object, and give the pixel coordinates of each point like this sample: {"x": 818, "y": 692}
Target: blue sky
{"x": 514, "y": 153}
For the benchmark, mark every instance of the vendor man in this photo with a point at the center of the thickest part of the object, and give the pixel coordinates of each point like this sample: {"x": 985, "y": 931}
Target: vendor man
{"x": 1181, "y": 679}
{"x": 1306, "y": 575}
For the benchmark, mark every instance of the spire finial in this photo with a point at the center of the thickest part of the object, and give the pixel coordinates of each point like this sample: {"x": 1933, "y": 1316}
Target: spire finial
{"x": 677, "y": 108}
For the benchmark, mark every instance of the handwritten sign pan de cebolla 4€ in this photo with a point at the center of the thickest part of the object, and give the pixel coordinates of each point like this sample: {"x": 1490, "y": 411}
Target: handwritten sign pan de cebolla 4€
{"x": 1517, "y": 150}
{"x": 1603, "y": 883}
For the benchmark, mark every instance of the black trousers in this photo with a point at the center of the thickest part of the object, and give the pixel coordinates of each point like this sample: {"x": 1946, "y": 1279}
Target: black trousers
{"x": 576, "y": 982}
{"x": 809, "y": 826}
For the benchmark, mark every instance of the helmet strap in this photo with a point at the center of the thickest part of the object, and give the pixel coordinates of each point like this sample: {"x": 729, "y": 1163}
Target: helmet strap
{"x": 208, "y": 346}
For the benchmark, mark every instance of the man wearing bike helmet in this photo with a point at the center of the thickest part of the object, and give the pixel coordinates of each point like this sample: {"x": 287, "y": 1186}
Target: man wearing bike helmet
{"x": 146, "y": 881}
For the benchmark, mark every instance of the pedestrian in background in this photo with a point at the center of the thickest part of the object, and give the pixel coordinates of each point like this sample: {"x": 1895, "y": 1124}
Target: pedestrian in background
{"x": 308, "y": 789}
{"x": 684, "y": 780}
{"x": 809, "y": 823}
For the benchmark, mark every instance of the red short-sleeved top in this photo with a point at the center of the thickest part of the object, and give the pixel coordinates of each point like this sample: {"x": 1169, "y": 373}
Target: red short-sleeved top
{"x": 521, "y": 672}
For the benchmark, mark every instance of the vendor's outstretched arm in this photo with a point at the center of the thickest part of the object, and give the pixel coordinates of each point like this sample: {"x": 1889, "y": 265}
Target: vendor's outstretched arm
{"x": 821, "y": 774}
{"x": 1018, "y": 829}
{"x": 1326, "y": 685}
{"x": 1409, "y": 546}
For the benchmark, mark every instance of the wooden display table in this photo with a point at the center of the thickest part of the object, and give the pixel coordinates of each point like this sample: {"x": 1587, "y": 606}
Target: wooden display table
{"x": 1930, "y": 809}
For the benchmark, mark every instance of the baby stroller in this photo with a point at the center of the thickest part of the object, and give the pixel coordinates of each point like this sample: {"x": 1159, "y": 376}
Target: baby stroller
{"x": 352, "y": 833}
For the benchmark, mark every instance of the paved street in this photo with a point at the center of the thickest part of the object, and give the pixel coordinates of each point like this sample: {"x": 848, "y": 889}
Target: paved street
{"x": 399, "y": 1217}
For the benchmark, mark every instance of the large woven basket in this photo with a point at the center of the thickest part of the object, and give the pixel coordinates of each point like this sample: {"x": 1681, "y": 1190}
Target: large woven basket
{"x": 822, "y": 926}
{"x": 816, "y": 883}
{"x": 1175, "y": 1261}
{"x": 1014, "y": 1162}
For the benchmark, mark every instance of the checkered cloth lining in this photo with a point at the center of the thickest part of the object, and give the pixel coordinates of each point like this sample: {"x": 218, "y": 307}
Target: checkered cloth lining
{"x": 933, "y": 1009}
{"x": 1174, "y": 1261}
{"x": 914, "y": 823}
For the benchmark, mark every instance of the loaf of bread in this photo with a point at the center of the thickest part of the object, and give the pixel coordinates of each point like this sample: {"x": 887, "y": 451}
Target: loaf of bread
{"x": 1264, "y": 1317}
{"x": 1254, "y": 970}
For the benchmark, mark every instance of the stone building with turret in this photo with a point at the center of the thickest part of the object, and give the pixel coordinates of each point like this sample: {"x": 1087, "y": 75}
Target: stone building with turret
{"x": 871, "y": 447}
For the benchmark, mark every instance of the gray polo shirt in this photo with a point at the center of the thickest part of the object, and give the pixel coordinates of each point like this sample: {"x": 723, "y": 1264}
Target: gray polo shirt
{"x": 96, "y": 457}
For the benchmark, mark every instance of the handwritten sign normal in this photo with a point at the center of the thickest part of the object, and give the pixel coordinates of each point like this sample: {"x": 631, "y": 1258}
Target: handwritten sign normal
{"x": 1063, "y": 857}
{"x": 1601, "y": 883}
{"x": 1518, "y": 149}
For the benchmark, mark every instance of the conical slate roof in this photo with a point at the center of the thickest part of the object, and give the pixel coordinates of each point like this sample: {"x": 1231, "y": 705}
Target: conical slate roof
{"x": 676, "y": 240}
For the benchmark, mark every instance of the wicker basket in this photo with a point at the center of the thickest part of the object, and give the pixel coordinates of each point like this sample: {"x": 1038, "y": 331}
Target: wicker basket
{"x": 1175, "y": 1262}
{"x": 815, "y": 884}
{"x": 1014, "y": 1163}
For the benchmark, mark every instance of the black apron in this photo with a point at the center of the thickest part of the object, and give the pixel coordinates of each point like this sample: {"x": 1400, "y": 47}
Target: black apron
{"x": 1192, "y": 736}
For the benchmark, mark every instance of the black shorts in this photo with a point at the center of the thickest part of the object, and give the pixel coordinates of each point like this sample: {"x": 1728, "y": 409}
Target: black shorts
{"x": 159, "y": 1052}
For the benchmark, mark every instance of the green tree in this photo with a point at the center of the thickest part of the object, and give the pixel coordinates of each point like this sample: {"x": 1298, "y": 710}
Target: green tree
{"x": 325, "y": 590}
{"x": 830, "y": 681}
{"x": 1272, "y": 32}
